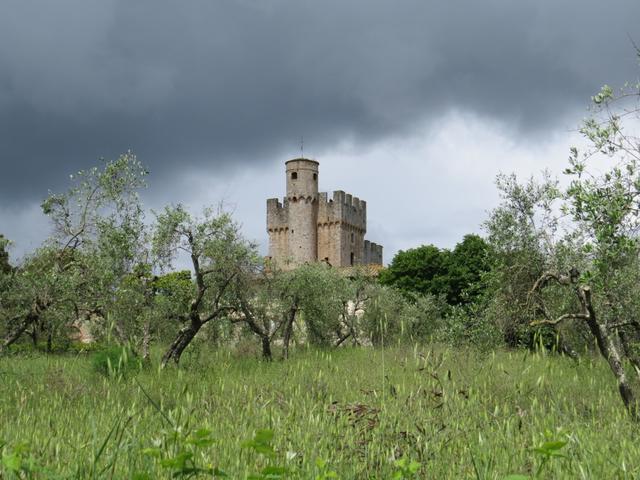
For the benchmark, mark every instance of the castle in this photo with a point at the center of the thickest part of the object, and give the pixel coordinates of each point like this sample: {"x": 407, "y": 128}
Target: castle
{"x": 309, "y": 227}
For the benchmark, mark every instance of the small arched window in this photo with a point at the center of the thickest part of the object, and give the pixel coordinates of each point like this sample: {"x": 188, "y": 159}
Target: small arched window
{"x": 294, "y": 176}
{"x": 315, "y": 176}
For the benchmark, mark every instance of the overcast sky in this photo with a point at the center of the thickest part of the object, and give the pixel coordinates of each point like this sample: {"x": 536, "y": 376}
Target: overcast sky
{"x": 414, "y": 106}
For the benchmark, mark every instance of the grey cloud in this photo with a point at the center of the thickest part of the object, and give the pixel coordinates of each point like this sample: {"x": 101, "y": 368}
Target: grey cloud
{"x": 220, "y": 85}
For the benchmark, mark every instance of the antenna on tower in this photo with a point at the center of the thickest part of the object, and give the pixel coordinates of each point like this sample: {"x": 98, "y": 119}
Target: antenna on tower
{"x": 301, "y": 147}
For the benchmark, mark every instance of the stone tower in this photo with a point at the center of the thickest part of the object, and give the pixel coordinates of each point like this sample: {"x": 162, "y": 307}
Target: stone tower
{"x": 309, "y": 227}
{"x": 302, "y": 195}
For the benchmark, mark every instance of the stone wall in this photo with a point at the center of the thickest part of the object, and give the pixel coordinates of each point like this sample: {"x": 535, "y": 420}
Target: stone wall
{"x": 372, "y": 253}
{"x": 278, "y": 228}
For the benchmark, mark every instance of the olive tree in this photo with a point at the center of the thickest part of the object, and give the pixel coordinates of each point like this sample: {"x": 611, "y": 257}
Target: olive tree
{"x": 523, "y": 232}
{"x": 318, "y": 304}
{"x": 264, "y": 305}
{"x": 29, "y": 293}
{"x": 218, "y": 255}
{"x": 591, "y": 275}
{"x": 97, "y": 227}
{"x": 604, "y": 203}
{"x": 307, "y": 300}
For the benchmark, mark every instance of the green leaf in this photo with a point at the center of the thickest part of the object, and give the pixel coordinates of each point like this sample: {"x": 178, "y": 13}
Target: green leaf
{"x": 263, "y": 436}
{"x": 557, "y": 445}
{"x": 141, "y": 476}
{"x": 152, "y": 452}
{"x": 12, "y": 462}
{"x": 274, "y": 472}
{"x": 261, "y": 443}
{"x": 178, "y": 462}
{"x": 201, "y": 438}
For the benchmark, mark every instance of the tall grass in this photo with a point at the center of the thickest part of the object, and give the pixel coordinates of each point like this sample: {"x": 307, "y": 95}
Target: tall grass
{"x": 459, "y": 414}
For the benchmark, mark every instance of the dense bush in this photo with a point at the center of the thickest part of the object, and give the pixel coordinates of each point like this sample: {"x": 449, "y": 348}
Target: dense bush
{"x": 428, "y": 270}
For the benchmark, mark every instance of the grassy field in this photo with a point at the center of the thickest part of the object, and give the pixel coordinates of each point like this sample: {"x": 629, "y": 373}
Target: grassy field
{"x": 352, "y": 412}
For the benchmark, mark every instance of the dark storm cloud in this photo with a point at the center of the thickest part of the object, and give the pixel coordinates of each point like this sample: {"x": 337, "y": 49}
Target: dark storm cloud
{"x": 222, "y": 84}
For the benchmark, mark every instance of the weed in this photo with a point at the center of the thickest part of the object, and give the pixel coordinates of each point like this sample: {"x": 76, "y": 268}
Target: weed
{"x": 434, "y": 413}
{"x": 116, "y": 360}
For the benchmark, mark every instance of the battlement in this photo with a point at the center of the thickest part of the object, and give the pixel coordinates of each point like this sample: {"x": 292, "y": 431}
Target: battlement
{"x": 277, "y": 214}
{"x": 342, "y": 208}
{"x": 372, "y": 253}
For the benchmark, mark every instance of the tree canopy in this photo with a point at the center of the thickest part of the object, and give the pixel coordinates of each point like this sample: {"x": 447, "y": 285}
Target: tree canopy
{"x": 454, "y": 274}
{"x": 5, "y": 266}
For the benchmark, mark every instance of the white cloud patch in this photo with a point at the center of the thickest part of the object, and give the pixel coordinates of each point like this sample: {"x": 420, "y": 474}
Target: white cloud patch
{"x": 25, "y": 226}
{"x": 432, "y": 186}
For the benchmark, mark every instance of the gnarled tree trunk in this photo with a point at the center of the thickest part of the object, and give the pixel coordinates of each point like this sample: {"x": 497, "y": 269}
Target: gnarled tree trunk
{"x": 604, "y": 335}
{"x": 181, "y": 342}
{"x": 30, "y": 319}
{"x": 608, "y": 347}
{"x": 146, "y": 340}
{"x": 263, "y": 331}
{"x": 266, "y": 347}
{"x": 288, "y": 330}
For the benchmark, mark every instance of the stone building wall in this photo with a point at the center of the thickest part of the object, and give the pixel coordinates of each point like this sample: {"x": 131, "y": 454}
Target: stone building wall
{"x": 342, "y": 224}
{"x": 278, "y": 228}
{"x": 302, "y": 195}
{"x": 372, "y": 253}
{"x": 309, "y": 226}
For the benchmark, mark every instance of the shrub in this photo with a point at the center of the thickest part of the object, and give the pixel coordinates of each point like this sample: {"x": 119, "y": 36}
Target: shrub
{"x": 116, "y": 360}
{"x": 469, "y": 326}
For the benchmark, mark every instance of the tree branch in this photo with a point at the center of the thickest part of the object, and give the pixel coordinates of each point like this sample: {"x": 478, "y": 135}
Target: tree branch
{"x": 216, "y": 313}
{"x": 566, "y": 316}
{"x": 546, "y": 278}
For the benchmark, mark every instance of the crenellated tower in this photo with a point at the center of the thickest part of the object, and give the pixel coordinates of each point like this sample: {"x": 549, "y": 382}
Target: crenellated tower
{"x": 302, "y": 196}
{"x": 309, "y": 226}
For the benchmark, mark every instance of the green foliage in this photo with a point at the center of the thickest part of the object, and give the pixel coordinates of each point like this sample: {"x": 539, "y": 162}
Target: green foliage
{"x": 173, "y": 292}
{"x": 469, "y": 326}
{"x": 19, "y": 461}
{"x": 470, "y": 260}
{"x": 522, "y": 233}
{"x": 448, "y": 293}
{"x": 361, "y": 409}
{"x": 5, "y": 266}
{"x": 221, "y": 261}
{"x": 178, "y": 454}
{"x": 548, "y": 451}
{"x": 214, "y": 239}
{"x": 418, "y": 270}
{"x": 262, "y": 445}
{"x": 423, "y": 317}
{"x": 428, "y": 270}
{"x": 324, "y": 471}
{"x": 320, "y": 293}
{"x": 98, "y": 237}
{"x": 584, "y": 269}
{"x": 383, "y": 315}
{"x": 26, "y": 347}
{"x": 116, "y": 361}
{"x": 389, "y": 317}
{"x": 406, "y": 469}
{"x": 174, "y": 287}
